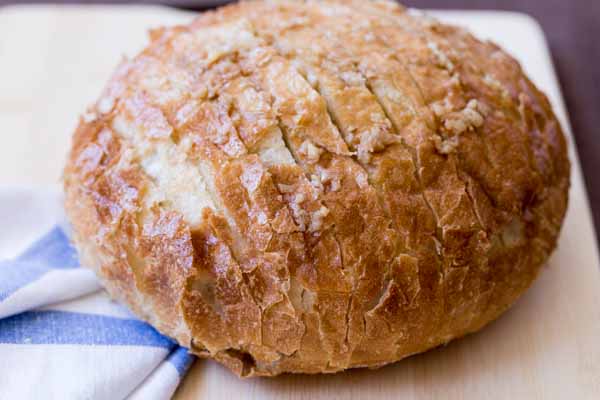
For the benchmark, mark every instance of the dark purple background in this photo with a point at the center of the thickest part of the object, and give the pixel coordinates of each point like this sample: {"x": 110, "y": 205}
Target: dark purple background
{"x": 572, "y": 28}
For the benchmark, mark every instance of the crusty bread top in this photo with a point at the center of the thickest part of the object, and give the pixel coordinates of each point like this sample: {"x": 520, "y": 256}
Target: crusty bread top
{"x": 311, "y": 186}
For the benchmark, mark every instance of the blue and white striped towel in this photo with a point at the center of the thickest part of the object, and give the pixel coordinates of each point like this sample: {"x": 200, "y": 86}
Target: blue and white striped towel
{"x": 61, "y": 337}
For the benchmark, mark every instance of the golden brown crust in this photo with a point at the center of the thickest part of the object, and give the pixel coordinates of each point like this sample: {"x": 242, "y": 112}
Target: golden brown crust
{"x": 312, "y": 186}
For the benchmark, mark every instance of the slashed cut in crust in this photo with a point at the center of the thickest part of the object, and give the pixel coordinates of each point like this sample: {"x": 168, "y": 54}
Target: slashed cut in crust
{"x": 310, "y": 186}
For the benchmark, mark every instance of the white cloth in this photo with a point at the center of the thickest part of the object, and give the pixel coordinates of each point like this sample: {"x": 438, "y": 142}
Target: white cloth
{"x": 61, "y": 337}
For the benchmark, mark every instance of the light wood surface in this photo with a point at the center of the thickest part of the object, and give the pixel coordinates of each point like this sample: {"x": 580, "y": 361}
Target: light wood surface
{"x": 55, "y": 60}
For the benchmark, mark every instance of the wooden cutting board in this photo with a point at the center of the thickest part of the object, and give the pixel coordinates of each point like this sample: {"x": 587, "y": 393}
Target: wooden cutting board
{"x": 54, "y": 60}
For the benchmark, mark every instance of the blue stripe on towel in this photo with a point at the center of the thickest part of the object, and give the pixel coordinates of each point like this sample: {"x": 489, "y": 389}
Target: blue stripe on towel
{"x": 52, "y": 251}
{"x": 61, "y": 327}
{"x": 16, "y": 274}
{"x": 181, "y": 360}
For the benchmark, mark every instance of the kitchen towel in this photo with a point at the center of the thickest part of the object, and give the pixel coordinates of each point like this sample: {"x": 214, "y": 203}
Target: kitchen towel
{"x": 61, "y": 337}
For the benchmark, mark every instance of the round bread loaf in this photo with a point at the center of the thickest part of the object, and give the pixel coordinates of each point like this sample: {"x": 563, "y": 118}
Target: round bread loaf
{"x": 311, "y": 186}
